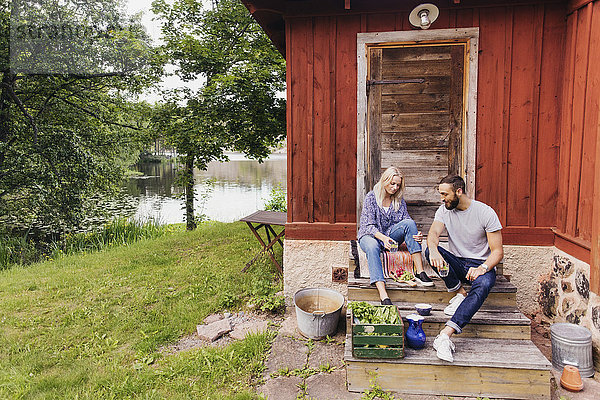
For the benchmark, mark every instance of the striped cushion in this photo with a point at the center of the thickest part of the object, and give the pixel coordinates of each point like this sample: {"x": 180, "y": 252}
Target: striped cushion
{"x": 396, "y": 262}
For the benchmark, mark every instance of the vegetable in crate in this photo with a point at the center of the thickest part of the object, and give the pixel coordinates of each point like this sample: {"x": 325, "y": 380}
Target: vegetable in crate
{"x": 369, "y": 314}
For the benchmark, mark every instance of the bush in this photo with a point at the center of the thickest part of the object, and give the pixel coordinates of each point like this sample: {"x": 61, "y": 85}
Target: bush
{"x": 277, "y": 200}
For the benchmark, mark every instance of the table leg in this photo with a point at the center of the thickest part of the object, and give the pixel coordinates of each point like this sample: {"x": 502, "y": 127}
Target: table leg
{"x": 272, "y": 254}
{"x": 266, "y": 247}
{"x": 274, "y": 234}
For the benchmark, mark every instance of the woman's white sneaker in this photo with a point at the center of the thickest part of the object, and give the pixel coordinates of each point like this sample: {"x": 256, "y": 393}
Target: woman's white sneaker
{"x": 454, "y": 303}
{"x": 444, "y": 347}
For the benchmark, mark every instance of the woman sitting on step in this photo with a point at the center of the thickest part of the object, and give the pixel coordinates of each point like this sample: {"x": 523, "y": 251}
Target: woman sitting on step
{"x": 385, "y": 223}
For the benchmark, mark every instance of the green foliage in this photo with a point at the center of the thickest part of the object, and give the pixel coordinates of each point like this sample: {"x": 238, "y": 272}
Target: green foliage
{"x": 375, "y": 391}
{"x": 239, "y": 107}
{"x": 16, "y": 251}
{"x": 228, "y": 300}
{"x": 115, "y": 233}
{"x": 369, "y": 314}
{"x": 93, "y": 326}
{"x": 277, "y": 200}
{"x": 269, "y": 303}
{"x": 64, "y": 136}
{"x": 263, "y": 295}
{"x": 208, "y": 186}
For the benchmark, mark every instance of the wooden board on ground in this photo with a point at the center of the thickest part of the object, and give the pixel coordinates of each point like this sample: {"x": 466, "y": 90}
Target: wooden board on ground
{"x": 482, "y": 367}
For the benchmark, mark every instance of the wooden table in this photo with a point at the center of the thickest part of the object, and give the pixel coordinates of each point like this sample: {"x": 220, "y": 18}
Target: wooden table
{"x": 266, "y": 219}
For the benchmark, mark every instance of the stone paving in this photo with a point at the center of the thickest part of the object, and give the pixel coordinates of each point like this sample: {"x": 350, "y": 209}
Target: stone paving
{"x": 299, "y": 368}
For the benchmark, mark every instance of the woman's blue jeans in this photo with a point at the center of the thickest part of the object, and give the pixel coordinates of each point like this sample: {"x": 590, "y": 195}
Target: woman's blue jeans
{"x": 457, "y": 276}
{"x": 401, "y": 232}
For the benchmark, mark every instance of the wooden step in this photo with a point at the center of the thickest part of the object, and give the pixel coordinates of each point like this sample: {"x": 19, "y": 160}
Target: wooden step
{"x": 497, "y": 368}
{"x": 488, "y": 322}
{"x": 503, "y": 294}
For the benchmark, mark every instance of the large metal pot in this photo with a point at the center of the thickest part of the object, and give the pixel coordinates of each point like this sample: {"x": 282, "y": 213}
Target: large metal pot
{"x": 572, "y": 345}
{"x": 318, "y": 311}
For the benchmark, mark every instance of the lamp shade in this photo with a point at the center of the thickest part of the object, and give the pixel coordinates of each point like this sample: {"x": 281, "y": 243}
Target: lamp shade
{"x": 415, "y": 15}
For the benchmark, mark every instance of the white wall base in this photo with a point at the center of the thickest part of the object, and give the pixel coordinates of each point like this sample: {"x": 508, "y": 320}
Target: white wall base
{"x": 309, "y": 264}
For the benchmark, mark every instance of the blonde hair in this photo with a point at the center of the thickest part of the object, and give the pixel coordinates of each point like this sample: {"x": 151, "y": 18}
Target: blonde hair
{"x": 379, "y": 188}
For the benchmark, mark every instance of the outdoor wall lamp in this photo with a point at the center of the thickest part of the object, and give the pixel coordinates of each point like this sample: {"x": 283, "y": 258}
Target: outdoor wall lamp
{"x": 423, "y": 15}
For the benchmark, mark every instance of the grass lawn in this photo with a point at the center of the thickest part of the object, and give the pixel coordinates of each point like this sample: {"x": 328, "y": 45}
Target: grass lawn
{"x": 89, "y": 326}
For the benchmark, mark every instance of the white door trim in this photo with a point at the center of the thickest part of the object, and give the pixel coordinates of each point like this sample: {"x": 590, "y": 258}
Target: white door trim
{"x": 363, "y": 41}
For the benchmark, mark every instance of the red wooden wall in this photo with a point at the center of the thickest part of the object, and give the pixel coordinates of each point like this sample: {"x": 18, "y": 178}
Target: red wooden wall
{"x": 518, "y": 135}
{"x": 577, "y": 213}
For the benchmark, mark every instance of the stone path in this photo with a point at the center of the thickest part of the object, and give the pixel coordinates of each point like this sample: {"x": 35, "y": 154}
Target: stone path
{"x": 301, "y": 368}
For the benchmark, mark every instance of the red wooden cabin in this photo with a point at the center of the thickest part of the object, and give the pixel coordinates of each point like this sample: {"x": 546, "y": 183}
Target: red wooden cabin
{"x": 524, "y": 130}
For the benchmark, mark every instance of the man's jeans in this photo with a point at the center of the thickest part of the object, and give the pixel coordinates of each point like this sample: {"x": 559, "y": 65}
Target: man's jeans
{"x": 401, "y": 232}
{"x": 457, "y": 275}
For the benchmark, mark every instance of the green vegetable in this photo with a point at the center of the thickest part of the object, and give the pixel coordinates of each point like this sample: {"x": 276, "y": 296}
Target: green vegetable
{"x": 407, "y": 276}
{"x": 369, "y": 314}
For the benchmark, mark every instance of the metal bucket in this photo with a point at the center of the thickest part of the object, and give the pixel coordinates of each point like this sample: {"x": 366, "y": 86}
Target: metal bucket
{"x": 572, "y": 345}
{"x": 318, "y": 311}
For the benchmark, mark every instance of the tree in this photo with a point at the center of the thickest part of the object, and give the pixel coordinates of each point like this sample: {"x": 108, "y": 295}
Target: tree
{"x": 67, "y": 119}
{"x": 239, "y": 106}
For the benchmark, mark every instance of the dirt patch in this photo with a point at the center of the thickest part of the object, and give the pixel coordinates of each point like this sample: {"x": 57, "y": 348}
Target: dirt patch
{"x": 193, "y": 341}
{"x": 540, "y": 335}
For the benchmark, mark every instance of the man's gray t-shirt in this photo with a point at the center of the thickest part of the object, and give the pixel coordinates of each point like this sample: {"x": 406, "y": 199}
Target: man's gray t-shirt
{"x": 467, "y": 229}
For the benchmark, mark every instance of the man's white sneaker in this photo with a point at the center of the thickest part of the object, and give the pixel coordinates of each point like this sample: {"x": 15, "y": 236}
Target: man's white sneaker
{"x": 454, "y": 303}
{"x": 444, "y": 347}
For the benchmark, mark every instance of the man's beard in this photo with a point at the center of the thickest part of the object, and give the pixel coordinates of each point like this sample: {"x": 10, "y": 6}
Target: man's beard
{"x": 452, "y": 204}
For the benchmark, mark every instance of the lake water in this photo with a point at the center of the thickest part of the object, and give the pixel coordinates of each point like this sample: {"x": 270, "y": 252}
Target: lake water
{"x": 241, "y": 186}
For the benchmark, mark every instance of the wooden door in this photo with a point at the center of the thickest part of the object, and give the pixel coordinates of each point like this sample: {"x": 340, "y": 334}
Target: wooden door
{"x": 415, "y": 108}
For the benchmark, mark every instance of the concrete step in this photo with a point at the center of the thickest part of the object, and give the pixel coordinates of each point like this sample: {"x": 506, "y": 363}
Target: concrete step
{"x": 497, "y": 368}
{"x": 489, "y": 322}
{"x": 503, "y": 294}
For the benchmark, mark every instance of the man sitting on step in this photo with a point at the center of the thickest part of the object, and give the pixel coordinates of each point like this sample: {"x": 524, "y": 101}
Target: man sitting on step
{"x": 475, "y": 243}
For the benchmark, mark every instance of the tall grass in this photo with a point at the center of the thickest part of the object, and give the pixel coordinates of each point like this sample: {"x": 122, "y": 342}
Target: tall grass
{"x": 115, "y": 233}
{"x": 19, "y": 250}
{"x": 16, "y": 250}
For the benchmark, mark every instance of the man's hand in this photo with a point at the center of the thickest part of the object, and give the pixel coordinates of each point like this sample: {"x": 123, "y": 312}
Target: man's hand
{"x": 436, "y": 259}
{"x": 474, "y": 273}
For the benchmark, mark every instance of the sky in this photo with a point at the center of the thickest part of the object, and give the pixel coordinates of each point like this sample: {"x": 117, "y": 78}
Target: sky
{"x": 153, "y": 29}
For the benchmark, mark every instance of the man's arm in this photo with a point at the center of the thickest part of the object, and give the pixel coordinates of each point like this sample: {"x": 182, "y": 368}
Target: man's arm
{"x": 497, "y": 252}
{"x": 433, "y": 240}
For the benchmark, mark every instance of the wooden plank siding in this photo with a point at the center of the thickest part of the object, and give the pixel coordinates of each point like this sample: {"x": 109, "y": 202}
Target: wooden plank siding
{"x": 518, "y": 116}
{"x": 577, "y": 214}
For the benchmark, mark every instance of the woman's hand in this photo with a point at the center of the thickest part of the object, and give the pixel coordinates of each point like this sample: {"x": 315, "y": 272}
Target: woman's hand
{"x": 388, "y": 242}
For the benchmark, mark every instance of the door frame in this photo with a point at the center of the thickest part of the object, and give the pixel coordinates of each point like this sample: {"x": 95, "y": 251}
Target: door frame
{"x": 470, "y": 36}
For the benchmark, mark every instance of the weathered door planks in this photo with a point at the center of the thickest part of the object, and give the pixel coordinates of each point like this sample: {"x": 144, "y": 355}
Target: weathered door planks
{"x": 416, "y": 126}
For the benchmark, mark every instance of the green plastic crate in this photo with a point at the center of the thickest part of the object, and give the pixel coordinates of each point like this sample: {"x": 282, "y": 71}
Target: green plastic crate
{"x": 366, "y": 345}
